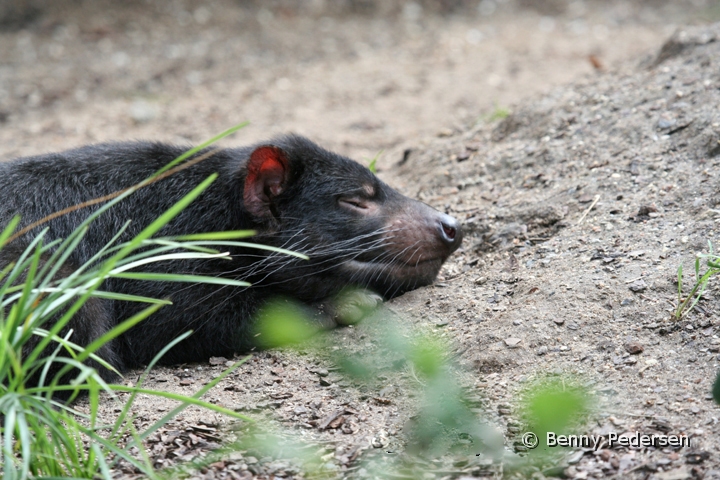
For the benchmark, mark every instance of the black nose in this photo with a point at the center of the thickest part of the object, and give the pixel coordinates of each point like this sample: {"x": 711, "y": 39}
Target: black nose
{"x": 450, "y": 232}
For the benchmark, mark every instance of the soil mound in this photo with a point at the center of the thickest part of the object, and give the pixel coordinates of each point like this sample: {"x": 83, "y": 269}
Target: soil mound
{"x": 580, "y": 207}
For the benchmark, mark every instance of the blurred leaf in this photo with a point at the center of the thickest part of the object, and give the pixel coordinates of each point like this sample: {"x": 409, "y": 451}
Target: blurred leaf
{"x": 355, "y": 366}
{"x": 428, "y": 356}
{"x": 282, "y": 323}
{"x": 555, "y": 406}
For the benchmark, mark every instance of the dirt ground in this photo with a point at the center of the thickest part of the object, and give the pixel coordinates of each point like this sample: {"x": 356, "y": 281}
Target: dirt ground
{"x": 577, "y": 207}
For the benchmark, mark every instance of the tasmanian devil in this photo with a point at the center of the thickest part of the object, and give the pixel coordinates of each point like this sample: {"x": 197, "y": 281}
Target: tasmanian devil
{"x": 356, "y": 230}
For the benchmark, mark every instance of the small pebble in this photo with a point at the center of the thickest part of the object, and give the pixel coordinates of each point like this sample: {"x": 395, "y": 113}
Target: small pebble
{"x": 142, "y": 111}
{"x": 665, "y": 123}
{"x": 634, "y": 348}
{"x": 575, "y": 457}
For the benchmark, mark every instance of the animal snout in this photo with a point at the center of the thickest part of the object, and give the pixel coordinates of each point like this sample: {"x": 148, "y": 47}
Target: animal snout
{"x": 450, "y": 231}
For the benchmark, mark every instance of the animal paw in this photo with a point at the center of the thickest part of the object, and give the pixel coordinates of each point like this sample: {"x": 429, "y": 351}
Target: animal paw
{"x": 354, "y": 305}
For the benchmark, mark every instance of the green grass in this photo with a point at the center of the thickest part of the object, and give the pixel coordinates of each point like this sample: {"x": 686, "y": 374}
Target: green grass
{"x": 687, "y": 303}
{"x": 372, "y": 163}
{"x": 40, "y": 436}
{"x": 498, "y": 113}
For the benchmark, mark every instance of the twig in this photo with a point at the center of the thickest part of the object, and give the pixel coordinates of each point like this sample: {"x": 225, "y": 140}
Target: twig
{"x": 597, "y": 197}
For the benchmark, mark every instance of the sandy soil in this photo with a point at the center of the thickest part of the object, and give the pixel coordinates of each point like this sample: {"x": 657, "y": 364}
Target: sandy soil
{"x": 543, "y": 282}
{"x": 183, "y": 71}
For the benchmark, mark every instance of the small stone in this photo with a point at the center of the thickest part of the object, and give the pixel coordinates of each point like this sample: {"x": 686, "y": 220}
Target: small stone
{"x": 638, "y": 286}
{"x": 646, "y": 210}
{"x": 217, "y": 360}
{"x": 542, "y": 351}
{"x": 142, "y": 111}
{"x": 634, "y": 348}
{"x": 380, "y": 440}
{"x": 570, "y": 472}
{"x": 388, "y": 390}
{"x": 678, "y": 474}
{"x": 627, "y": 301}
{"x": 513, "y": 342}
{"x": 559, "y": 321}
{"x": 665, "y": 123}
{"x": 575, "y": 457}
{"x": 281, "y": 395}
{"x": 606, "y": 454}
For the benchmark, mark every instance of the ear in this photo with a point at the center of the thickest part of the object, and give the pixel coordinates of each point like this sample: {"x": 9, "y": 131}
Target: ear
{"x": 267, "y": 172}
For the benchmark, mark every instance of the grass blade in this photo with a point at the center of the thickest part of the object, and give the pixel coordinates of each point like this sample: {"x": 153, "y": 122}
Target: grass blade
{"x": 172, "y": 277}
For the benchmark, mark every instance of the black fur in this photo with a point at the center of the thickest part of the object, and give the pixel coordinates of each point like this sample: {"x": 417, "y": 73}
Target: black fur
{"x": 378, "y": 239}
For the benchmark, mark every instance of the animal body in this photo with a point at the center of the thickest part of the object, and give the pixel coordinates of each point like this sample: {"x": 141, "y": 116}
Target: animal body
{"x": 356, "y": 230}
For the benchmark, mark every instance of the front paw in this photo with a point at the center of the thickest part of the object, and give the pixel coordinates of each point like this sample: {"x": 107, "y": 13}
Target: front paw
{"x": 354, "y": 305}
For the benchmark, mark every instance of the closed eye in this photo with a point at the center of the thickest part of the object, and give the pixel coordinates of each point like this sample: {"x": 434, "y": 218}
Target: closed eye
{"x": 353, "y": 203}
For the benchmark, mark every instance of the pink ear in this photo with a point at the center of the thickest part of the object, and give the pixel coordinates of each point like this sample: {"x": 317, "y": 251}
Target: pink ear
{"x": 267, "y": 171}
